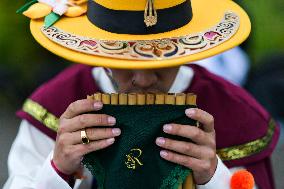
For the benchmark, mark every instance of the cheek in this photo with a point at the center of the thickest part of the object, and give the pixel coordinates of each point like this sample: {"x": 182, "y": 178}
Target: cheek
{"x": 122, "y": 78}
{"x": 168, "y": 75}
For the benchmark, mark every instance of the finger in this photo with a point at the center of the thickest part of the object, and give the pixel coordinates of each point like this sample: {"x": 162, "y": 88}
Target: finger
{"x": 84, "y": 149}
{"x": 65, "y": 139}
{"x": 187, "y": 161}
{"x": 81, "y": 106}
{"x": 86, "y": 120}
{"x": 181, "y": 147}
{"x": 195, "y": 134}
{"x": 203, "y": 117}
{"x": 96, "y": 134}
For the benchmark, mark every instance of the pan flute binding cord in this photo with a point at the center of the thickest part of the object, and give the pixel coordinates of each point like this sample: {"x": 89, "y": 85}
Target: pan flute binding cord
{"x": 145, "y": 99}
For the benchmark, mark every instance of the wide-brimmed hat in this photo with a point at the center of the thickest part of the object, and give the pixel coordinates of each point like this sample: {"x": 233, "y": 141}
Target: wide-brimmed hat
{"x": 137, "y": 34}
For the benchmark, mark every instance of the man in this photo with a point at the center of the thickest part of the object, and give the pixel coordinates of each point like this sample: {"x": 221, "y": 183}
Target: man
{"x": 49, "y": 147}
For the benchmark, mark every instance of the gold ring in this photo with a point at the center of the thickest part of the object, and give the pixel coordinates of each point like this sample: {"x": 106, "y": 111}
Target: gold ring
{"x": 84, "y": 137}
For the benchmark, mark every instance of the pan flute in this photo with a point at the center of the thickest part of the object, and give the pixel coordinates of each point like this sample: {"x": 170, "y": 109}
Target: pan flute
{"x": 145, "y": 99}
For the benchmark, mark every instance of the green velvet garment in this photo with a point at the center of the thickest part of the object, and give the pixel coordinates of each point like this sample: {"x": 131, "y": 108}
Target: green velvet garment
{"x": 134, "y": 161}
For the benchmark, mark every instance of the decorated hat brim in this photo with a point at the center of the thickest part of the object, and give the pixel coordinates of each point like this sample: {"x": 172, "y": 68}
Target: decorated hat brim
{"x": 206, "y": 15}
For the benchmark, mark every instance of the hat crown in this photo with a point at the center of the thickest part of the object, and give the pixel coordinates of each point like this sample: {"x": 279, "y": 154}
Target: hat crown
{"x": 137, "y": 5}
{"x": 139, "y": 16}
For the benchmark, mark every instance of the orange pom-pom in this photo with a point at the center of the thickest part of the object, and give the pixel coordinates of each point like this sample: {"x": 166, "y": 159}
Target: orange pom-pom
{"x": 242, "y": 180}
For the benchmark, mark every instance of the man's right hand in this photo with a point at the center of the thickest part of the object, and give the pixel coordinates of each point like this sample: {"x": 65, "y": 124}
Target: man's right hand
{"x": 69, "y": 149}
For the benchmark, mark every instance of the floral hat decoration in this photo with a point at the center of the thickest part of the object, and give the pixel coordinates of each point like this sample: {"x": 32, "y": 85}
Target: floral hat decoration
{"x": 137, "y": 34}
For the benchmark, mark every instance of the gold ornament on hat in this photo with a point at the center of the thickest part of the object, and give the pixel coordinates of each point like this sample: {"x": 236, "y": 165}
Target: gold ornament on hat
{"x": 150, "y": 14}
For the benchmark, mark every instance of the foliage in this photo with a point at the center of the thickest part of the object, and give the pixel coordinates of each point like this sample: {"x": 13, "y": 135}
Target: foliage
{"x": 267, "y": 19}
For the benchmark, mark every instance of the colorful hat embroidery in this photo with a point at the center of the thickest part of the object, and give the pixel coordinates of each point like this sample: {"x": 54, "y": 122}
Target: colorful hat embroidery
{"x": 130, "y": 34}
{"x": 148, "y": 49}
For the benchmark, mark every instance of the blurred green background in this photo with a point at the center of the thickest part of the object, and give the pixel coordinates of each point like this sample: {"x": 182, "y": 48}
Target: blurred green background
{"x": 24, "y": 64}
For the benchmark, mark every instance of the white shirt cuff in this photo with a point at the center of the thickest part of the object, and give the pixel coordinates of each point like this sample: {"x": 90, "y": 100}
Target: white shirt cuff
{"x": 221, "y": 178}
{"x": 47, "y": 178}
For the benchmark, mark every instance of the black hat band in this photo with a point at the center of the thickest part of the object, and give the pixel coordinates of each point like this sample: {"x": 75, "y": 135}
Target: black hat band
{"x": 132, "y": 22}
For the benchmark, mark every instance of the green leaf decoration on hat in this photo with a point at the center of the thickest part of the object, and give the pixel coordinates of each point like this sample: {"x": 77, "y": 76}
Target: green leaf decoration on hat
{"x": 26, "y": 6}
{"x": 50, "y": 19}
{"x": 51, "y": 10}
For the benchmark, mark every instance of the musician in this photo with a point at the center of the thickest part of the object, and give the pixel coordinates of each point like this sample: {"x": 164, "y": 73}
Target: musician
{"x": 143, "y": 56}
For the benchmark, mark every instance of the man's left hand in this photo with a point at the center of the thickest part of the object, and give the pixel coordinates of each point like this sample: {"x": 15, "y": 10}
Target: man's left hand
{"x": 199, "y": 156}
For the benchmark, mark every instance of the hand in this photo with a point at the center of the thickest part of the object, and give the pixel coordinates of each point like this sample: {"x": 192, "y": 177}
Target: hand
{"x": 199, "y": 156}
{"x": 69, "y": 149}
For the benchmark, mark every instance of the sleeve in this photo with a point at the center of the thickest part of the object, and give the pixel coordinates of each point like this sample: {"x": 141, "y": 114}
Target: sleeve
{"x": 221, "y": 178}
{"x": 29, "y": 161}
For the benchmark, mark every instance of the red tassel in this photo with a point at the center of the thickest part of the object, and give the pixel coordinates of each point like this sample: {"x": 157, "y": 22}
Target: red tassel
{"x": 242, "y": 180}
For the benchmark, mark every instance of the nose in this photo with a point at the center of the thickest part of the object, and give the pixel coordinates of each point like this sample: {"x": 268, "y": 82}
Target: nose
{"x": 144, "y": 78}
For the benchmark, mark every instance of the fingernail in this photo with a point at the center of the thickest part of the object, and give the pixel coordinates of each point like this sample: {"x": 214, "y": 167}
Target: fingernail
{"x": 167, "y": 128}
{"x": 163, "y": 153}
{"x": 116, "y": 131}
{"x": 98, "y": 105}
{"x": 111, "y": 120}
{"x": 110, "y": 140}
{"x": 160, "y": 141}
{"x": 190, "y": 112}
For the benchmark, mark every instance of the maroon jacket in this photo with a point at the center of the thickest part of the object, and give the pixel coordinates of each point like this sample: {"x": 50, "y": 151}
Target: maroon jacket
{"x": 245, "y": 133}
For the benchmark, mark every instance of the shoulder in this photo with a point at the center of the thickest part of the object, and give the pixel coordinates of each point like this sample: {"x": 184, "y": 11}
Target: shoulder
{"x": 50, "y": 100}
{"x": 243, "y": 127}
{"x": 71, "y": 84}
{"x": 214, "y": 90}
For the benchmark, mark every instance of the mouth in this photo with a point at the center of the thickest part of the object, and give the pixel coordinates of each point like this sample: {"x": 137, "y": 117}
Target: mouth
{"x": 143, "y": 91}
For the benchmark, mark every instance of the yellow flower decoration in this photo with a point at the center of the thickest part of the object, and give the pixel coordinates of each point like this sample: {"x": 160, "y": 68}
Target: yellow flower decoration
{"x": 75, "y": 11}
{"x": 38, "y": 10}
{"x": 52, "y": 10}
{"x": 76, "y": 8}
